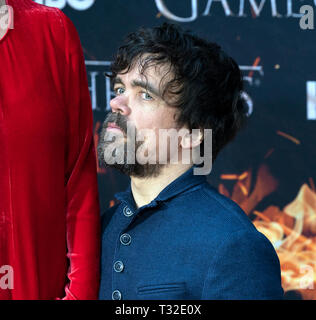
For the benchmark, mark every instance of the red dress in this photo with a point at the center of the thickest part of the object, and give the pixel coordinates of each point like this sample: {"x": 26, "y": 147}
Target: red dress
{"x": 49, "y": 208}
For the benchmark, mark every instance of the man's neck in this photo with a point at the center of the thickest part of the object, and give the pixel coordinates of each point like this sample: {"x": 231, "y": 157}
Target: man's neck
{"x": 147, "y": 189}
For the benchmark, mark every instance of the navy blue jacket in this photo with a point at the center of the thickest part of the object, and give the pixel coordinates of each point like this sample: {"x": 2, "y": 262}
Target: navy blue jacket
{"x": 189, "y": 243}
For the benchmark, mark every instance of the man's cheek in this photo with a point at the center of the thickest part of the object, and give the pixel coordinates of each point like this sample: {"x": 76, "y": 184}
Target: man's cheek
{"x": 143, "y": 123}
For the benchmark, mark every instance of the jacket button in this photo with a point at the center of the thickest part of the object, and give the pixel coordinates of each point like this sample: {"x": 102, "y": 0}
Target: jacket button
{"x": 118, "y": 266}
{"x": 125, "y": 239}
{"x": 127, "y": 212}
{"x": 116, "y": 295}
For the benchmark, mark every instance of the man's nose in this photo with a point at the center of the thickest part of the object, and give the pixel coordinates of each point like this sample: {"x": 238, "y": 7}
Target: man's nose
{"x": 119, "y": 104}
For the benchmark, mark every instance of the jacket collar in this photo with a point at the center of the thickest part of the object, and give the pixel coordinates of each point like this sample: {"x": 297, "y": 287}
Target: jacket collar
{"x": 184, "y": 182}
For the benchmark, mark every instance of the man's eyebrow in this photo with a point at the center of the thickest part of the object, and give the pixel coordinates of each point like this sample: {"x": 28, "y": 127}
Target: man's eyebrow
{"x": 117, "y": 80}
{"x": 139, "y": 83}
{"x": 147, "y": 86}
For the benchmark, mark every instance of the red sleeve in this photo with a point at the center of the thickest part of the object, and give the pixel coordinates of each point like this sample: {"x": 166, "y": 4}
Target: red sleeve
{"x": 82, "y": 203}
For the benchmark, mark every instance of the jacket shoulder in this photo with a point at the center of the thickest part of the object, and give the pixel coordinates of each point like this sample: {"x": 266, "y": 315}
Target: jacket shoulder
{"x": 210, "y": 208}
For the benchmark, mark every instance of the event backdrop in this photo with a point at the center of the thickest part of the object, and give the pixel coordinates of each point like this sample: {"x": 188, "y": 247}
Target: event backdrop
{"x": 269, "y": 169}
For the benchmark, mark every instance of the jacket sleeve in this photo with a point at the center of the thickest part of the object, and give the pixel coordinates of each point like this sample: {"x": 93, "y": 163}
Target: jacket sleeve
{"x": 245, "y": 267}
{"x": 82, "y": 202}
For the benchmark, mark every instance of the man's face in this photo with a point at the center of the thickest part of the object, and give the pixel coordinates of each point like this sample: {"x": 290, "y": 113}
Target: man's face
{"x": 140, "y": 104}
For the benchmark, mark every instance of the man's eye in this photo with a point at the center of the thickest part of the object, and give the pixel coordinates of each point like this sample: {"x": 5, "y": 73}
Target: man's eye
{"x": 146, "y": 96}
{"x": 119, "y": 91}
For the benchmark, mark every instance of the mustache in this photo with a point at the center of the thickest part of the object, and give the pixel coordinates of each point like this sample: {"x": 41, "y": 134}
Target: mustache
{"x": 118, "y": 119}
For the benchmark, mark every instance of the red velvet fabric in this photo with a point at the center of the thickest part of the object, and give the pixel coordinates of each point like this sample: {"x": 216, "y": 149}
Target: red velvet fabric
{"x": 49, "y": 206}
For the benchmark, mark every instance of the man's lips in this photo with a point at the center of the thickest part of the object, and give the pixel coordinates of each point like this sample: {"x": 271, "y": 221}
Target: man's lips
{"x": 113, "y": 126}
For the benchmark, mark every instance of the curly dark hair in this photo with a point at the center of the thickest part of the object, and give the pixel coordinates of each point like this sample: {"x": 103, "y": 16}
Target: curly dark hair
{"x": 206, "y": 82}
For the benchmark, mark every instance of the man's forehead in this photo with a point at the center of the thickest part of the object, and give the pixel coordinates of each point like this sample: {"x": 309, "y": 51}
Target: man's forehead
{"x": 146, "y": 67}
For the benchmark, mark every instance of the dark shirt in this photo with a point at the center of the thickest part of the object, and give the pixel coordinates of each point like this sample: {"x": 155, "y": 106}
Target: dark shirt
{"x": 190, "y": 242}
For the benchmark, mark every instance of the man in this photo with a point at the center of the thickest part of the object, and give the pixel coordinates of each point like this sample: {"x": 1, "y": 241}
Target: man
{"x": 49, "y": 208}
{"x": 173, "y": 236}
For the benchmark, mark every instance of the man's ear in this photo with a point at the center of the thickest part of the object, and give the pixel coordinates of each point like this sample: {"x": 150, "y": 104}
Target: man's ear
{"x": 192, "y": 139}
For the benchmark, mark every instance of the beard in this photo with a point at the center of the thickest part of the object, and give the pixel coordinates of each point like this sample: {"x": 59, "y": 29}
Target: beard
{"x": 108, "y": 148}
